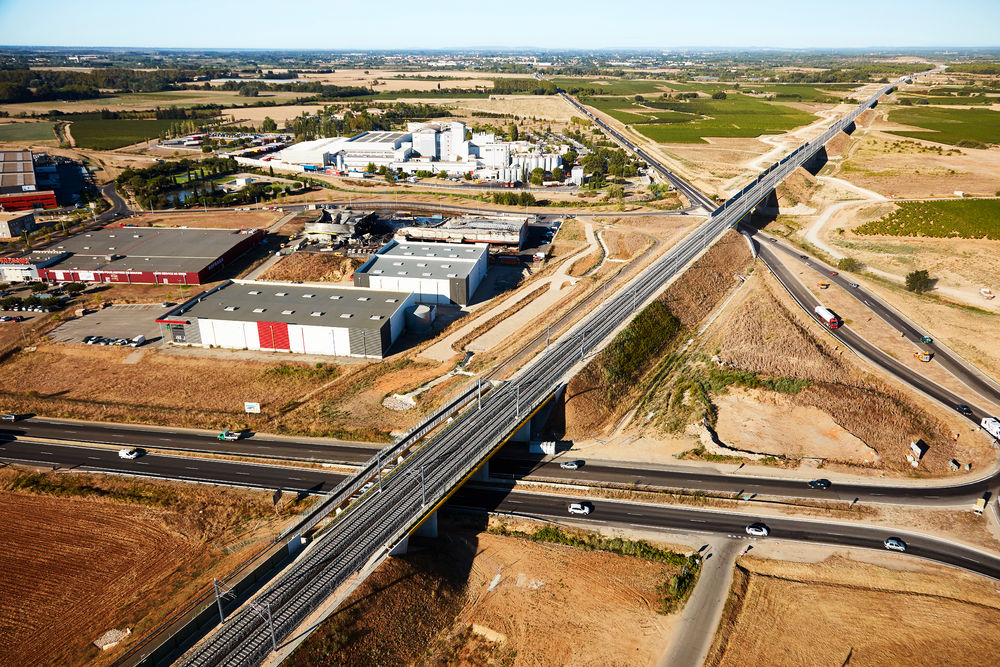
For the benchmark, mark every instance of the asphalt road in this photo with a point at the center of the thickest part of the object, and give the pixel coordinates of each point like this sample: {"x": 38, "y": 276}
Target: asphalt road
{"x": 299, "y": 479}
{"x": 953, "y": 364}
{"x": 137, "y": 436}
{"x": 716, "y": 482}
{"x": 855, "y": 342}
{"x": 87, "y": 459}
{"x": 689, "y": 521}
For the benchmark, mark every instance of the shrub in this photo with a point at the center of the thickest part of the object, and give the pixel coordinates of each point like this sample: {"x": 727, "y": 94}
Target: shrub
{"x": 848, "y": 264}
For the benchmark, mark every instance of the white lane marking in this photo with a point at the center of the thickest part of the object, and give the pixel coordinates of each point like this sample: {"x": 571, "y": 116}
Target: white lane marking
{"x": 189, "y": 468}
{"x": 95, "y": 458}
{"x": 298, "y": 479}
{"x": 49, "y": 453}
{"x": 514, "y": 502}
{"x": 697, "y": 521}
{"x": 243, "y": 473}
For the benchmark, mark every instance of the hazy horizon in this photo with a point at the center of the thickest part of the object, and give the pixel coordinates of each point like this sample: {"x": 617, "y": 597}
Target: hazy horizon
{"x": 518, "y": 25}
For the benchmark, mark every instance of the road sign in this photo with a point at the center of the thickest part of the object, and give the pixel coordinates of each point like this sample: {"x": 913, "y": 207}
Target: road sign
{"x": 251, "y": 408}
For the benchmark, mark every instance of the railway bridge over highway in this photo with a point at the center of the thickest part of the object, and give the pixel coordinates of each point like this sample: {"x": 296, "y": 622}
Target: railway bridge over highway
{"x": 403, "y": 485}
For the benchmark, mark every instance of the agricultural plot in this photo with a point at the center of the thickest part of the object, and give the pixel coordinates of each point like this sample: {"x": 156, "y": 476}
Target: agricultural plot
{"x": 101, "y": 134}
{"x": 949, "y": 126}
{"x": 691, "y": 120}
{"x": 27, "y": 132}
{"x": 970, "y": 219}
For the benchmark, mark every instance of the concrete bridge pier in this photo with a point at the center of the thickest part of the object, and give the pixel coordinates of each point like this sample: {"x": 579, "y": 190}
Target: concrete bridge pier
{"x": 429, "y": 528}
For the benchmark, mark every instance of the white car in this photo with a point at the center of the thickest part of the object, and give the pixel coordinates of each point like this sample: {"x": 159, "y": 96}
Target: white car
{"x": 895, "y": 544}
{"x": 579, "y": 508}
{"x": 758, "y": 530}
{"x": 128, "y": 454}
{"x": 570, "y": 465}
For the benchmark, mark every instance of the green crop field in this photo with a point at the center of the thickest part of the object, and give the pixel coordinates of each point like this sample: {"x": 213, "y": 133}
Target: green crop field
{"x": 949, "y": 126}
{"x": 689, "y": 121}
{"x": 107, "y": 134}
{"x": 958, "y": 218}
{"x": 27, "y": 132}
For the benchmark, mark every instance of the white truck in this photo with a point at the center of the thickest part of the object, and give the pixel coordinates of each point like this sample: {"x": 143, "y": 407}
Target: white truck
{"x": 992, "y": 426}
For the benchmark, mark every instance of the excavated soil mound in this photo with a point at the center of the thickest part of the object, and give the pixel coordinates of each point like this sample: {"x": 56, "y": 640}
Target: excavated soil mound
{"x": 797, "y": 188}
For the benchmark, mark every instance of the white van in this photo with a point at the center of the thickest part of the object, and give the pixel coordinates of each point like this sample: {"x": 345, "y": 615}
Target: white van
{"x": 137, "y": 341}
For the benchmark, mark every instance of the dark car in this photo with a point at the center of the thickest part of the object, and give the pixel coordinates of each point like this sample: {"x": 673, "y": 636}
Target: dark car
{"x": 964, "y": 409}
{"x": 819, "y": 484}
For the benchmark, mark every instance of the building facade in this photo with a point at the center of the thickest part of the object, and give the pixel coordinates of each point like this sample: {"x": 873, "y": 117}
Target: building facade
{"x": 436, "y": 273}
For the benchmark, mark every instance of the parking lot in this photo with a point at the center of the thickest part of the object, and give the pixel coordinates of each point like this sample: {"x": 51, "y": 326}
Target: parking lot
{"x": 122, "y": 321}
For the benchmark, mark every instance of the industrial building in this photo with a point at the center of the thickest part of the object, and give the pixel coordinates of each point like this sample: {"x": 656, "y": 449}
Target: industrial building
{"x": 505, "y": 230}
{"x": 437, "y": 273}
{"x": 13, "y": 225}
{"x": 163, "y": 255}
{"x": 291, "y": 317}
{"x": 434, "y": 146}
{"x": 18, "y": 187}
{"x": 338, "y": 225}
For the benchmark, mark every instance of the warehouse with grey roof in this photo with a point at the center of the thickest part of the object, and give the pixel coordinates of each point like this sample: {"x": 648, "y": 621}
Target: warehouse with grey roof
{"x": 291, "y": 317}
{"x": 437, "y": 273}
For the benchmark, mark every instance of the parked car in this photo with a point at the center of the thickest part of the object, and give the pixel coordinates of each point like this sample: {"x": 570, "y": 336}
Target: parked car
{"x": 964, "y": 409}
{"x": 129, "y": 453}
{"x": 230, "y": 435}
{"x": 571, "y": 465}
{"x": 894, "y": 544}
{"x": 758, "y": 529}
{"x": 819, "y": 484}
{"x": 88, "y": 340}
{"x": 579, "y": 508}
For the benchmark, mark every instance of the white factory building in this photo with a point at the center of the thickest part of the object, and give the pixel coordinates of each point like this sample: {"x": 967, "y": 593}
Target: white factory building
{"x": 291, "y": 317}
{"x": 434, "y": 146}
{"x": 436, "y": 273}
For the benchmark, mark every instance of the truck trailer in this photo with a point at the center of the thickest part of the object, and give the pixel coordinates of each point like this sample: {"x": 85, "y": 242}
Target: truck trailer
{"x": 827, "y": 316}
{"x": 992, "y": 426}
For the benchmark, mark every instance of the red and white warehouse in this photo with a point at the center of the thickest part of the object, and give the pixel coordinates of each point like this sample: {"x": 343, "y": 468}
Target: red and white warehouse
{"x": 154, "y": 255}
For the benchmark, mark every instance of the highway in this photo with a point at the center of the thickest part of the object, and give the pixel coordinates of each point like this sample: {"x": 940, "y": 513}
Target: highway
{"x": 688, "y": 521}
{"x": 313, "y": 480}
{"x": 955, "y": 365}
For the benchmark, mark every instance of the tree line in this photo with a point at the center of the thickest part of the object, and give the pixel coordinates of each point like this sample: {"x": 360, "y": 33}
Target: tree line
{"x": 27, "y": 85}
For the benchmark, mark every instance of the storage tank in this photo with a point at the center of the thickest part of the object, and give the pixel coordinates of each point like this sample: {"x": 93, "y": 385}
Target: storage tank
{"x": 421, "y": 318}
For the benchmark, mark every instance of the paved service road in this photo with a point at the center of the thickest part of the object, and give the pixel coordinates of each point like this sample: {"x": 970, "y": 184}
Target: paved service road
{"x": 727, "y": 523}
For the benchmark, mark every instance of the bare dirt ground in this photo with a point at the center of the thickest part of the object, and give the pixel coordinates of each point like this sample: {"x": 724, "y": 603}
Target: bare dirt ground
{"x": 485, "y": 599}
{"x": 86, "y": 565}
{"x": 313, "y": 267}
{"x": 280, "y": 115}
{"x": 840, "y": 611}
{"x": 211, "y": 220}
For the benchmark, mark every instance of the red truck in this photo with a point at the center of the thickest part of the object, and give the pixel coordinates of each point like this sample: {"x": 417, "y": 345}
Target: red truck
{"x": 828, "y": 317}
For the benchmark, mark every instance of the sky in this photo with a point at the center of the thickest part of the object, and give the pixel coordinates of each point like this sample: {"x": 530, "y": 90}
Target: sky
{"x": 579, "y": 24}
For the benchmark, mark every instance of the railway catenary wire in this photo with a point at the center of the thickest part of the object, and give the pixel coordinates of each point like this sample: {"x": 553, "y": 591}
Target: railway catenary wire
{"x": 373, "y": 524}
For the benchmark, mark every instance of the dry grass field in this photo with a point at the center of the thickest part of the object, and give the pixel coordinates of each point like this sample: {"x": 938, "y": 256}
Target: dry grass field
{"x": 841, "y": 612}
{"x": 541, "y": 107}
{"x": 623, "y": 245}
{"x": 313, "y": 267}
{"x": 119, "y": 554}
{"x": 212, "y": 220}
